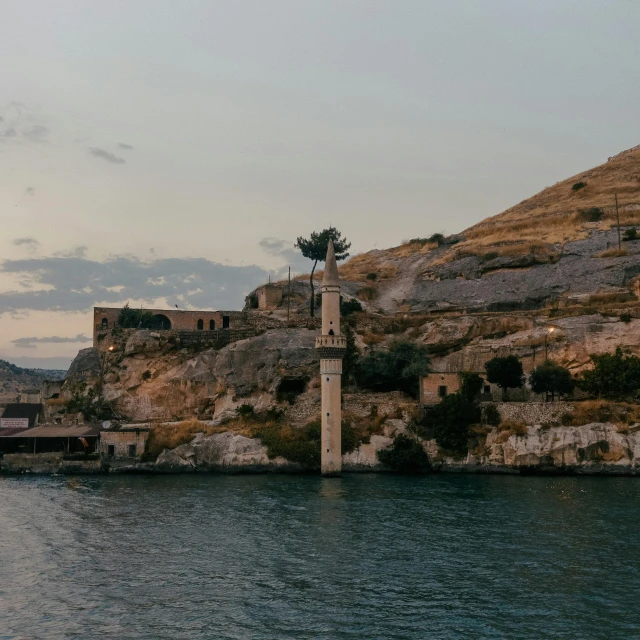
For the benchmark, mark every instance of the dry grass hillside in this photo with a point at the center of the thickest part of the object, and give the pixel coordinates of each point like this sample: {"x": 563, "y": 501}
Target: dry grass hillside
{"x": 540, "y": 225}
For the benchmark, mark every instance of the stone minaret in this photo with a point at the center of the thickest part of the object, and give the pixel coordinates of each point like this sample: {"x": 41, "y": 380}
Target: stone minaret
{"x": 331, "y": 346}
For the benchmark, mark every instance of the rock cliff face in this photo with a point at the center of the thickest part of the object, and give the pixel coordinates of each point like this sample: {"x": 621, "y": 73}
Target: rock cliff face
{"x": 597, "y": 448}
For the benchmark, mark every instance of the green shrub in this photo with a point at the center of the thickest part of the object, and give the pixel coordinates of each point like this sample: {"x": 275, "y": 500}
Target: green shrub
{"x": 449, "y": 422}
{"x": 625, "y": 317}
{"x": 405, "y": 455}
{"x": 146, "y": 375}
{"x": 129, "y": 318}
{"x": 245, "y": 410}
{"x": 372, "y": 276}
{"x": 347, "y": 307}
{"x": 579, "y": 185}
{"x": 614, "y": 375}
{"x": 471, "y": 386}
{"x": 630, "y": 234}
{"x": 491, "y": 415}
{"x": 296, "y": 445}
{"x": 592, "y": 214}
{"x": 491, "y": 255}
{"x": 397, "y": 369}
{"x": 252, "y": 300}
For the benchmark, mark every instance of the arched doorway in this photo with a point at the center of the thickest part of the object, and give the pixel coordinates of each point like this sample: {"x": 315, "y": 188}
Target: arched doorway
{"x": 212, "y": 325}
{"x": 160, "y": 322}
{"x": 200, "y": 325}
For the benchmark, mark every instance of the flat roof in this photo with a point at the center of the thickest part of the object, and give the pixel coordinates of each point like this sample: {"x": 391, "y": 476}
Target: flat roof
{"x": 53, "y": 431}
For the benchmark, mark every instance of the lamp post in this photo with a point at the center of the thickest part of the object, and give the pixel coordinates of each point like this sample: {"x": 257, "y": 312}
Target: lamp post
{"x": 550, "y": 330}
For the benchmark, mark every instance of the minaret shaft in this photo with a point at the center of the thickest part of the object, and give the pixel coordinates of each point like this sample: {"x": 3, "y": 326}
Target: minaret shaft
{"x": 331, "y": 346}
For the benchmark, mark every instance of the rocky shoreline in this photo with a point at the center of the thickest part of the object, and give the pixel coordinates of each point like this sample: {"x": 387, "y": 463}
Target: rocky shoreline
{"x": 591, "y": 449}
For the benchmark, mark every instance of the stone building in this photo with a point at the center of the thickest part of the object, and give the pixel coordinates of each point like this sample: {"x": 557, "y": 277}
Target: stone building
{"x": 106, "y": 318}
{"x": 124, "y": 441}
{"x": 269, "y": 296}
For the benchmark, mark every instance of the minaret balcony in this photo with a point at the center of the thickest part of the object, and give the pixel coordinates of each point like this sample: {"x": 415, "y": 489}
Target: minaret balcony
{"x": 331, "y": 346}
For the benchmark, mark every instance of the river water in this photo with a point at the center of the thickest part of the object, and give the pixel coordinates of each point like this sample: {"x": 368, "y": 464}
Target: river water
{"x": 364, "y": 556}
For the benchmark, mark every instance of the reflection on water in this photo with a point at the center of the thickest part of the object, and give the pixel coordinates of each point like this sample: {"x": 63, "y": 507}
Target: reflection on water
{"x": 203, "y": 557}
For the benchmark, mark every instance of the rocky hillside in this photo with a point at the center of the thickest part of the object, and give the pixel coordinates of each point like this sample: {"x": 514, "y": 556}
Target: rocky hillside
{"x": 559, "y": 244}
{"x": 14, "y": 379}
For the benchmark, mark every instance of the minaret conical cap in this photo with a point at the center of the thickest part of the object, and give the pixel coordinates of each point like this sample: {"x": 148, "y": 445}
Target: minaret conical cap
{"x": 331, "y": 267}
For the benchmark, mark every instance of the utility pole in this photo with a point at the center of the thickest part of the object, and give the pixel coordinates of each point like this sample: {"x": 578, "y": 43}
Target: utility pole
{"x": 289, "y": 297}
{"x": 618, "y": 219}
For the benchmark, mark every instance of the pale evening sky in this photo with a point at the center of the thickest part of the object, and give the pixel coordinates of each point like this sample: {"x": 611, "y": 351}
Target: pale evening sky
{"x": 170, "y": 152}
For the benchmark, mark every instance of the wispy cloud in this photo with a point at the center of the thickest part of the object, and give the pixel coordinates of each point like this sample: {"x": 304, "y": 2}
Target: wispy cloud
{"x": 75, "y": 283}
{"x": 285, "y": 250}
{"x": 106, "y": 155}
{"x": 30, "y": 243}
{"x": 124, "y": 145}
{"x": 29, "y": 191}
{"x": 30, "y": 343}
{"x": 36, "y": 133}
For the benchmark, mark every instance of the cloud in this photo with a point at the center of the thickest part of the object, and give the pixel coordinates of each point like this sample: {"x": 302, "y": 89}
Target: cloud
{"x": 106, "y": 155}
{"x": 36, "y": 133}
{"x": 30, "y": 343}
{"x": 30, "y": 243}
{"x": 29, "y": 191}
{"x": 10, "y": 133}
{"x": 287, "y": 252}
{"x": 124, "y": 145}
{"x": 75, "y": 283}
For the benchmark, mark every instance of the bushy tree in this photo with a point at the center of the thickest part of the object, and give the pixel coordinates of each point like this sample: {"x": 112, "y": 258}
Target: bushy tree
{"x": 129, "y": 318}
{"x": 506, "y": 373}
{"x": 351, "y": 355}
{"x": 449, "y": 421}
{"x": 551, "y": 378}
{"x": 347, "y": 307}
{"x": 315, "y": 248}
{"x": 397, "y": 369}
{"x": 614, "y": 375}
{"x": 405, "y": 455}
{"x": 472, "y": 384}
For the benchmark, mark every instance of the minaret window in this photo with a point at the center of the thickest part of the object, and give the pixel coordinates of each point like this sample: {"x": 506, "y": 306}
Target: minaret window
{"x": 331, "y": 332}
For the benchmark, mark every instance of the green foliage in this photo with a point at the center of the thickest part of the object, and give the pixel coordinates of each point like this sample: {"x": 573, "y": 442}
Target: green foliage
{"x": 129, "y": 318}
{"x": 505, "y": 372}
{"x": 592, "y": 214}
{"x": 625, "y": 317}
{"x": 630, "y": 234}
{"x": 449, "y": 422}
{"x": 245, "y": 410}
{"x": 315, "y": 248}
{"x": 579, "y": 185}
{"x": 491, "y": 255}
{"x": 614, "y": 375}
{"x": 405, "y": 455}
{"x": 347, "y": 307}
{"x": 471, "y": 386}
{"x": 436, "y": 237}
{"x": 146, "y": 375}
{"x": 351, "y": 355}
{"x": 551, "y": 378}
{"x": 491, "y": 415}
{"x": 372, "y": 276}
{"x": 397, "y": 369}
{"x": 252, "y": 300}
{"x": 89, "y": 403}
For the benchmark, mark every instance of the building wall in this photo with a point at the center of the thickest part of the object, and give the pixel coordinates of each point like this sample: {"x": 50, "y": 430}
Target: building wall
{"x": 180, "y": 320}
{"x": 121, "y": 441}
{"x": 532, "y": 413}
{"x": 269, "y": 296}
{"x": 431, "y": 384}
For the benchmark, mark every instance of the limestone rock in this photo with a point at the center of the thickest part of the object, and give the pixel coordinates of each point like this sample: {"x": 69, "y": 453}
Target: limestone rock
{"x": 85, "y": 365}
{"x": 142, "y": 341}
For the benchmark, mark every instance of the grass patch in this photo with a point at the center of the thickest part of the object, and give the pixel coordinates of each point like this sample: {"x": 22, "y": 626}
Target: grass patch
{"x": 588, "y": 411}
{"x": 170, "y": 436}
{"x": 613, "y": 253}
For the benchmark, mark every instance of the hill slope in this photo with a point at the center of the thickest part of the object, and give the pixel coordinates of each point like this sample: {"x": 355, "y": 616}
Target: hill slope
{"x": 560, "y": 243}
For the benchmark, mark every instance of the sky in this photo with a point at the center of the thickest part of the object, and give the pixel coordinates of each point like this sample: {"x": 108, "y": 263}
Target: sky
{"x": 163, "y": 153}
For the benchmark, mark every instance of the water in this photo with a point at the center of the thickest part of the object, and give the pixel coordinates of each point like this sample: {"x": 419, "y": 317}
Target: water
{"x": 276, "y": 557}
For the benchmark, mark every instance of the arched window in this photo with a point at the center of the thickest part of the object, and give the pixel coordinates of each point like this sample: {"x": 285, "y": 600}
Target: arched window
{"x": 200, "y": 325}
{"x": 225, "y": 322}
{"x": 212, "y": 325}
{"x": 105, "y": 323}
